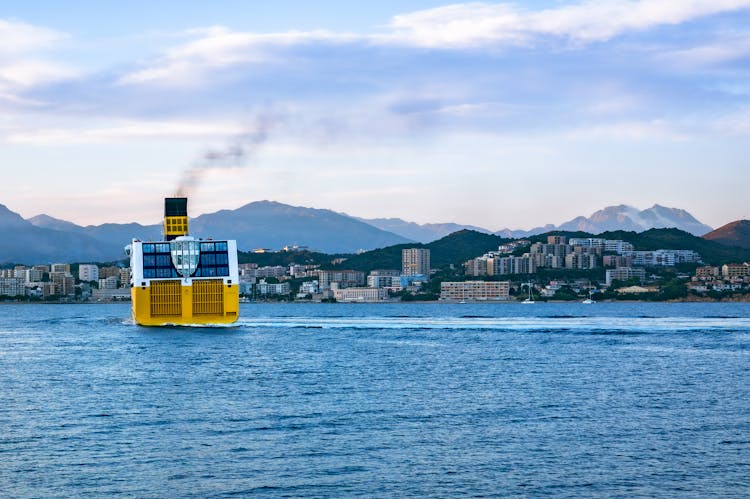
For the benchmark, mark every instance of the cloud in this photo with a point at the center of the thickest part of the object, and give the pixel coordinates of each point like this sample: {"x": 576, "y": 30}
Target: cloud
{"x": 20, "y": 67}
{"x": 218, "y": 47}
{"x": 33, "y": 72}
{"x": 124, "y": 131}
{"x": 451, "y": 27}
{"x": 481, "y": 24}
{"x": 22, "y": 38}
{"x": 651, "y": 130}
{"x": 726, "y": 48}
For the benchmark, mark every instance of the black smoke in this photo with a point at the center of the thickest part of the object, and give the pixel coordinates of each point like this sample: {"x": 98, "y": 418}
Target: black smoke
{"x": 234, "y": 155}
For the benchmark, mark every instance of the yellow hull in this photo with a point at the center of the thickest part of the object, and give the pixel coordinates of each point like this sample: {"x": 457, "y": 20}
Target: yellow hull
{"x": 200, "y": 302}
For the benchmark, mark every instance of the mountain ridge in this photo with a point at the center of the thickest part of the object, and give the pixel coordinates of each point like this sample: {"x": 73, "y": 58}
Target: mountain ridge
{"x": 622, "y": 217}
{"x": 273, "y": 225}
{"x": 735, "y": 233}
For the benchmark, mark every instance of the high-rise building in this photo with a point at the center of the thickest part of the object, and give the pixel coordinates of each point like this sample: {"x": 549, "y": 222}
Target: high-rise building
{"x": 415, "y": 261}
{"x": 88, "y": 272}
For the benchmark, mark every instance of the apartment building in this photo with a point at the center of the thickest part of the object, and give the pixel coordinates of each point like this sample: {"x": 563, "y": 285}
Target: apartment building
{"x": 475, "y": 291}
{"x": 360, "y": 294}
{"x": 415, "y": 261}
{"x": 624, "y": 273}
{"x": 88, "y": 272}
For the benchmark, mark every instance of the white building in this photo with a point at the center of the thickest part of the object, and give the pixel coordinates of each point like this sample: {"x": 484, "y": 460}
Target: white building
{"x": 360, "y": 295}
{"x": 663, "y": 257}
{"x": 88, "y": 272}
{"x": 383, "y": 281}
{"x": 265, "y": 288}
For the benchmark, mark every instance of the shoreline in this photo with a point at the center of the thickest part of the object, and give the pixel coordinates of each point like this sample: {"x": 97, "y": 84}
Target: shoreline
{"x": 743, "y": 299}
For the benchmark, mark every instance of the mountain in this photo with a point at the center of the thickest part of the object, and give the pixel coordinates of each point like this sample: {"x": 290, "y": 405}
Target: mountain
{"x": 262, "y": 224}
{"x": 268, "y": 224}
{"x": 732, "y": 234}
{"x": 23, "y": 242}
{"x": 10, "y": 219}
{"x": 423, "y": 233}
{"x": 522, "y": 234}
{"x": 628, "y": 218}
{"x": 622, "y": 217}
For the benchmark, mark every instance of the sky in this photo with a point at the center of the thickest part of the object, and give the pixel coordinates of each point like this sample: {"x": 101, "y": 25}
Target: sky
{"x": 496, "y": 114}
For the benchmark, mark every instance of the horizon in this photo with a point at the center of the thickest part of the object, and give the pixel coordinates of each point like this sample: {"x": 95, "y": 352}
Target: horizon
{"x": 490, "y": 114}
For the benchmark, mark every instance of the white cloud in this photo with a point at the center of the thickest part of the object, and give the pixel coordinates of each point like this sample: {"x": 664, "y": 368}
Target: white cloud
{"x": 20, "y": 67}
{"x": 21, "y": 38}
{"x": 651, "y": 130}
{"x": 218, "y": 47}
{"x": 478, "y": 24}
{"x": 727, "y": 48}
{"x": 33, "y": 72}
{"x": 123, "y": 131}
{"x": 456, "y": 26}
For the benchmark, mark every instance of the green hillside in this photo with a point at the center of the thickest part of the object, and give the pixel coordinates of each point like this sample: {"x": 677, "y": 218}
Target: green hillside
{"x": 463, "y": 245}
{"x": 712, "y": 252}
{"x": 454, "y": 249}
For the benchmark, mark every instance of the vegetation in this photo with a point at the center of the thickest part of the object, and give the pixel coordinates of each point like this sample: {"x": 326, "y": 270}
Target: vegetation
{"x": 453, "y": 249}
{"x": 285, "y": 258}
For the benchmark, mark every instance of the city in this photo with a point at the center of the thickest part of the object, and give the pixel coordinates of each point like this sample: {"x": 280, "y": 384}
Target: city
{"x": 580, "y": 268}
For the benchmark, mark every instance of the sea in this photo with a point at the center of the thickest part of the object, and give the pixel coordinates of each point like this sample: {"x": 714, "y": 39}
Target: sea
{"x": 378, "y": 400}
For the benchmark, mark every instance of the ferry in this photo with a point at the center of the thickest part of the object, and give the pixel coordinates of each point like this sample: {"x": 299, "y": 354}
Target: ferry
{"x": 182, "y": 280}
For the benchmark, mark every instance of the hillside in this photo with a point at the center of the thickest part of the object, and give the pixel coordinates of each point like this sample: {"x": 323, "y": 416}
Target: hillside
{"x": 712, "y": 252}
{"x": 463, "y": 245}
{"x": 732, "y": 234}
{"x": 454, "y": 249}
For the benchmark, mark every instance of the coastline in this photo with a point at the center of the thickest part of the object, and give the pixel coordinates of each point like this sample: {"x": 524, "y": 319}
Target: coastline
{"x": 745, "y": 298}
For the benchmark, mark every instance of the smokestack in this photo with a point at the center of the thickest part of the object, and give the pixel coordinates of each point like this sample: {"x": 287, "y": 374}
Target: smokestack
{"x": 175, "y": 218}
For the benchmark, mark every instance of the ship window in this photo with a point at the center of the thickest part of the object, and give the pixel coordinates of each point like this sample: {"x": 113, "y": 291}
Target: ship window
{"x": 163, "y": 261}
{"x": 207, "y": 247}
{"x": 162, "y": 248}
{"x": 208, "y": 259}
{"x": 222, "y": 271}
{"x": 149, "y": 273}
{"x": 222, "y": 259}
{"x": 148, "y": 260}
{"x": 163, "y": 272}
{"x": 209, "y": 272}
{"x": 221, "y": 246}
{"x": 148, "y": 248}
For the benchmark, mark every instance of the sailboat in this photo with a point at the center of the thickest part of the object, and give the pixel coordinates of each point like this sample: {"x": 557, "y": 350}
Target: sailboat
{"x": 529, "y": 300}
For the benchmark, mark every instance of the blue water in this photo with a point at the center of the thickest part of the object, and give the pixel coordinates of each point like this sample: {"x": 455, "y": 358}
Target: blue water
{"x": 564, "y": 400}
